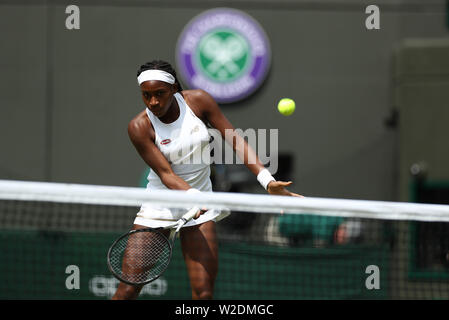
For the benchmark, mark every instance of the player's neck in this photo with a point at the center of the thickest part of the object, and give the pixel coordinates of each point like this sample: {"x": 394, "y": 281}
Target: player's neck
{"x": 172, "y": 114}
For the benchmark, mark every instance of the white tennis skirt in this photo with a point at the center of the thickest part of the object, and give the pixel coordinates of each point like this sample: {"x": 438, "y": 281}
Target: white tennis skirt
{"x": 154, "y": 216}
{"x": 164, "y": 217}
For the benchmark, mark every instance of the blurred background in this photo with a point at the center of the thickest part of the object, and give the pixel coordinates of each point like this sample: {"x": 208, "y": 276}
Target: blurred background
{"x": 371, "y": 119}
{"x": 370, "y": 103}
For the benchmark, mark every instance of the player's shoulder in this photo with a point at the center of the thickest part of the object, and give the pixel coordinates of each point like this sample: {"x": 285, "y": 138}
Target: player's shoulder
{"x": 197, "y": 96}
{"x": 140, "y": 123}
{"x": 201, "y": 102}
{"x": 139, "y": 120}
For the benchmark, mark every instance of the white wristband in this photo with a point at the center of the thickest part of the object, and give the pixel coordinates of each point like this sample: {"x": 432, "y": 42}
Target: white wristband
{"x": 264, "y": 177}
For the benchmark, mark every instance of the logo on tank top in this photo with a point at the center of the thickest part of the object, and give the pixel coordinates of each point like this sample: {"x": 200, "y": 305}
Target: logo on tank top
{"x": 225, "y": 52}
{"x": 196, "y": 129}
{"x": 165, "y": 141}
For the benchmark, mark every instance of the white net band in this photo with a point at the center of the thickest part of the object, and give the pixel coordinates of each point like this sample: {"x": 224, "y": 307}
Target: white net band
{"x": 128, "y": 196}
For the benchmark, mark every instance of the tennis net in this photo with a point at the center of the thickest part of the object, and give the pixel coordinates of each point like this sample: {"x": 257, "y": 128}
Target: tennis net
{"x": 55, "y": 237}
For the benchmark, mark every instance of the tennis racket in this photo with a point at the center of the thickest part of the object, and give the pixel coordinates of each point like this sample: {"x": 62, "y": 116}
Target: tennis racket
{"x": 142, "y": 255}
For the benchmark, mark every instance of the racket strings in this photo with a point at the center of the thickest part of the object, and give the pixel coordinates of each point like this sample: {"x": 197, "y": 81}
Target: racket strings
{"x": 141, "y": 256}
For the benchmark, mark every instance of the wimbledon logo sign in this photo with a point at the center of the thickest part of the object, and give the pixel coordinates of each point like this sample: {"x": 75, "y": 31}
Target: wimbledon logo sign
{"x": 225, "y": 52}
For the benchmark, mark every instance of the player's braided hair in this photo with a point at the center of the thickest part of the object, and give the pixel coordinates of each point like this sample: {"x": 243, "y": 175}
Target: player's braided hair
{"x": 160, "y": 65}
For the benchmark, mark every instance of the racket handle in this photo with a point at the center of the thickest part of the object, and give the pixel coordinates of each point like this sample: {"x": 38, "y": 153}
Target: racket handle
{"x": 190, "y": 214}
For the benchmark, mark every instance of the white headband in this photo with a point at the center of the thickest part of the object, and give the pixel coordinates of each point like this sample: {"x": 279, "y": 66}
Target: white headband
{"x": 160, "y": 75}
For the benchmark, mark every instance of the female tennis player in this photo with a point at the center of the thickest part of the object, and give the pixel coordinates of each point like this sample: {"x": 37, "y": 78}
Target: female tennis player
{"x": 170, "y": 130}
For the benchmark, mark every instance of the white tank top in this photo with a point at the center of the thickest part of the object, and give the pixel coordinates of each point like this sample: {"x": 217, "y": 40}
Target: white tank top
{"x": 185, "y": 144}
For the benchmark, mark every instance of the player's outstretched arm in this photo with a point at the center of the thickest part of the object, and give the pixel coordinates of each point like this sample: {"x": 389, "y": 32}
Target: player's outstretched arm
{"x": 210, "y": 110}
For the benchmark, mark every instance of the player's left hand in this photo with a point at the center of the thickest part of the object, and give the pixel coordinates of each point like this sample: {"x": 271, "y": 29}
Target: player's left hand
{"x": 278, "y": 188}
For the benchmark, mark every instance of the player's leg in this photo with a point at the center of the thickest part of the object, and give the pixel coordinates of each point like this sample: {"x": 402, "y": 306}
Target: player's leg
{"x": 200, "y": 250}
{"x": 124, "y": 290}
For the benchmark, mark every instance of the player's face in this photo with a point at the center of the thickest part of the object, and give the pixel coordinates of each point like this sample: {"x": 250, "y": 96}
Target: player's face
{"x": 157, "y": 96}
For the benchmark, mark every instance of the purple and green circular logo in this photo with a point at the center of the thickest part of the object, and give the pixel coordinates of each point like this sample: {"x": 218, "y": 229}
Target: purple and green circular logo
{"x": 224, "y": 52}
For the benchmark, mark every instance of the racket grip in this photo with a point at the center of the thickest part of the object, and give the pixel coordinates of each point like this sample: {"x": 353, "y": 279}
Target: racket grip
{"x": 190, "y": 214}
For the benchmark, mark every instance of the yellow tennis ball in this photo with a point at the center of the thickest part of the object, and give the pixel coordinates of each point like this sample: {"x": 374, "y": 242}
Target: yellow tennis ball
{"x": 286, "y": 106}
